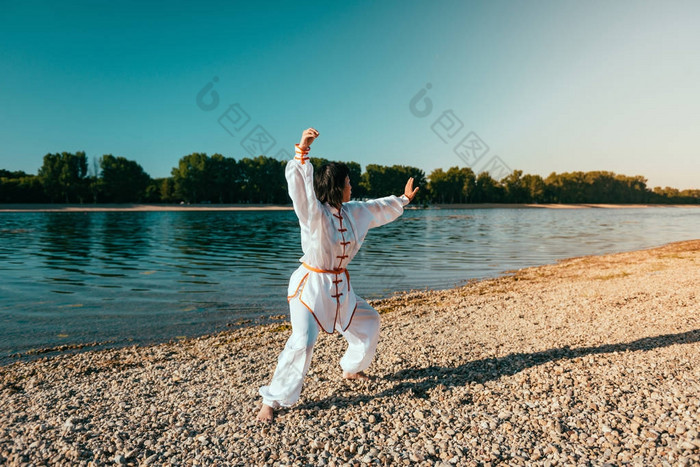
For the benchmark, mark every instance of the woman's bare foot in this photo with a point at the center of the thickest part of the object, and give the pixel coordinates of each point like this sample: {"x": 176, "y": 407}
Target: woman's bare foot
{"x": 359, "y": 375}
{"x": 266, "y": 414}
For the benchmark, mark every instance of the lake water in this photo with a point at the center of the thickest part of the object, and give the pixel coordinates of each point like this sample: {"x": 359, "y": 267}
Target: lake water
{"x": 139, "y": 277}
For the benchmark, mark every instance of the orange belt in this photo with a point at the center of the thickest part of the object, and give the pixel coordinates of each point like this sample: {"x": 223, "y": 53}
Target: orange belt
{"x": 334, "y": 271}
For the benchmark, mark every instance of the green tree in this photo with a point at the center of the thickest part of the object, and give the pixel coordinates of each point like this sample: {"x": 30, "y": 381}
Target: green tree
{"x": 469, "y": 184}
{"x": 263, "y": 180}
{"x": 515, "y": 190}
{"x": 379, "y": 180}
{"x": 64, "y": 176}
{"x": 21, "y": 189}
{"x": 487, "y": 189}
{"x": 166, "y": 188}
{"x": 159, "y": 190}
{"x": 597, "y": 187}
{"x": 690, "y": 196}
{"x": 190, "y": 178}
{"x": 634, "y": 188}
{"x": 123, "y": 180}
{"x": 223, "y": 177}
{"x": 6, "y": 174}
{"x": 567, "y": 187}
{"x": 454, "y": 186}
{"x": 438, "y": 185}
{"x": 534, "y": 184}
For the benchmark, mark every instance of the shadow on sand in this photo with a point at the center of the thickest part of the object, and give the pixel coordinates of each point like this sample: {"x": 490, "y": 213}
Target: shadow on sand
{"x": 488, "y": 369}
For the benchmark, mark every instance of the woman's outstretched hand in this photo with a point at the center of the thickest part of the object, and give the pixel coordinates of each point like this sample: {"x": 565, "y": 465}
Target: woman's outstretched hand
{"x": 409, "y": 191}
{"x": 308, "y": 137}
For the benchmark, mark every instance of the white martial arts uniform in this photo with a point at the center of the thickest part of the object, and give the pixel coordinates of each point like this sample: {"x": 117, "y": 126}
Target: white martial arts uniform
{"x": 320, "y": 294}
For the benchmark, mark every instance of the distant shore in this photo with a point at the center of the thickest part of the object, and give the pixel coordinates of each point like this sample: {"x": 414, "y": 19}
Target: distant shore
{"x": 282, "y": 207}
{"x": 593, "y": 360}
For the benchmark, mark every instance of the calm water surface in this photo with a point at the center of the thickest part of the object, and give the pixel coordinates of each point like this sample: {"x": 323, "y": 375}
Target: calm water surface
{"x": 138, "y": 277}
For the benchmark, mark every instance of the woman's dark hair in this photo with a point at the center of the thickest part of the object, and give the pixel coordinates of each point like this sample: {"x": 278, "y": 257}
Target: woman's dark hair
{"x": 329, "y": 183}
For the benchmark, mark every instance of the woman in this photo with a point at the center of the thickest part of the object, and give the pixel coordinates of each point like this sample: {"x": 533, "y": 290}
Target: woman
{"x": 320, "y": 295}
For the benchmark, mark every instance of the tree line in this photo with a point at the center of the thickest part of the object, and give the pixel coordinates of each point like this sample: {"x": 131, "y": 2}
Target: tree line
{"x": 198, "y": 178}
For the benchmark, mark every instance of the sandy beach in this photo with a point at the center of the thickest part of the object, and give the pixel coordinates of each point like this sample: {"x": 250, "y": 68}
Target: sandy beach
{"x": 590, "y": 361}
{"x": 277, "y": 207}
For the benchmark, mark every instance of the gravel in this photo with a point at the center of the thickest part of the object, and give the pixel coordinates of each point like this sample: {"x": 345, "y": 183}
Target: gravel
{"x": 591, "y": 361}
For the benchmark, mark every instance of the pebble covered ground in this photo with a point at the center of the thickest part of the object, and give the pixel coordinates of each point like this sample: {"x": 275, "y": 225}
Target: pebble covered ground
{"x": 591, "y": 361}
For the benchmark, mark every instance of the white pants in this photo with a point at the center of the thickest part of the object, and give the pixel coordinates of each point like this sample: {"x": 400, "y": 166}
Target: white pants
{"x": 293, "y": 363}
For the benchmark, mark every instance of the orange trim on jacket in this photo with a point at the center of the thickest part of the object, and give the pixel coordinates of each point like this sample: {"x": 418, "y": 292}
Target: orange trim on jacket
{"x": 289, "y": 297}
{"x": 302, "y": 284}
{"x": 301, "y": 154}
{"x": 332, "y": 271}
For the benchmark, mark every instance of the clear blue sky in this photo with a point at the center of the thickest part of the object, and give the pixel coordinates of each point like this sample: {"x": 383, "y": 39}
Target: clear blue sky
{"x": 547, "y": 85}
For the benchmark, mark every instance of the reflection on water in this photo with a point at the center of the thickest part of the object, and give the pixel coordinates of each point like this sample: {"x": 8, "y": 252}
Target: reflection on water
{"x": 147, "y": 276}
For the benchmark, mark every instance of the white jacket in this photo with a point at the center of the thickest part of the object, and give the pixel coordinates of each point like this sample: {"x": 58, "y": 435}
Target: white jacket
{"x": 330, "y": 239}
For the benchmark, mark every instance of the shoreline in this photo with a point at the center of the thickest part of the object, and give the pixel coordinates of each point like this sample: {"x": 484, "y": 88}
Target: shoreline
{"x": 594, "y": 359}
{"x": 276, "y": 207}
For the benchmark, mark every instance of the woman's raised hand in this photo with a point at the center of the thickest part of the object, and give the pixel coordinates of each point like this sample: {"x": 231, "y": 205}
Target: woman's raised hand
{"x": 409, "y": 191}
{"x": 308, "y": 137}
